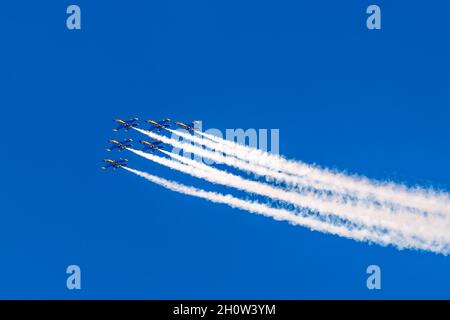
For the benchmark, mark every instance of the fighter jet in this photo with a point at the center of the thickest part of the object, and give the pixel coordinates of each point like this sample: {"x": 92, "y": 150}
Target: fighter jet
{"x": 158, "y": 125}
{"x": 126, "y": 125}
{"x": 188, "y": 126}
{"x": 151, "y": 146}
{"x": 119, "y": 145}
{"x": 114, "y": 164}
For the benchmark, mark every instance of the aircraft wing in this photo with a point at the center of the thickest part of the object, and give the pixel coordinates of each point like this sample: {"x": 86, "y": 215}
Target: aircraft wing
{"x": 119, "y": 127}
{"x": 109, "y": 163}
{"x": 106, "y": 166}
{"x": 153, "y": 127}
{"x": 112, "y": 147}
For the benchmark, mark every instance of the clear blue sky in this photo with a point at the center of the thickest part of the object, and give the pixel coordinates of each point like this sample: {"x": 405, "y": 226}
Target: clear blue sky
{"x": 368, "y": 102}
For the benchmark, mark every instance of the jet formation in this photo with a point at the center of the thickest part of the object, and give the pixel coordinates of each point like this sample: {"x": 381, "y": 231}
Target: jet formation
{"x": 147, "y": 146}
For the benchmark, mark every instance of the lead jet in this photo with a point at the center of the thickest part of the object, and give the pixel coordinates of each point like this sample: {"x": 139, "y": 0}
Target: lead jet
{"x": 151, "y": 146}
{"x": 159, "y": 125}
{"x": 126, "y": 125}
{"x": 119, "y": 145}
{"x": 188, "y": 126}
{"x": 114, "y": 164}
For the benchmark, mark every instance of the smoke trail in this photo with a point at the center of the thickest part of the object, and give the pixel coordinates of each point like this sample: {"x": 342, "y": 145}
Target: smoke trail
{"x": 423, "y": 232}
{"x": 425, "y": 200}
{"x": 216, "y": 176}
{"x": 359, "y": 211}
{"x": 415, "y": 235}
{"x": 258, "y": 208}
{"x": 294, "y": 182}
{"x": 282, "y": 214}
{"x": 218, "y": 158}
{"x": 381, "y": 209}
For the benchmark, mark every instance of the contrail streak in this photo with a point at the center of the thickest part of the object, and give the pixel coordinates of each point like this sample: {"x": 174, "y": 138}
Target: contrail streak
{"x": 218, "y": 158}
{"x": 280, "y": 214}
{"x": 421, "y": 231}
{"x": 256, "y": 207}
{"x": 360, "y": 211}
{"x": 421, "y": 236}
{"x": 381, "y": 208}
{"x": 425, "y": 200}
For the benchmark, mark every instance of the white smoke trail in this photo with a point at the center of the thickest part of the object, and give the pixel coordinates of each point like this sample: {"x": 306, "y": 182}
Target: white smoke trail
{"x": 381, "y": 208}
{"x": 219, "y": 158}
{"x": 425, "y": 200}
{"x": 432, "y": 232}
{"x": 275, "y": 213}
{"x": 359, "y": 211}
{"x": 281, "y": 214}
{"x": 421, "y": 236}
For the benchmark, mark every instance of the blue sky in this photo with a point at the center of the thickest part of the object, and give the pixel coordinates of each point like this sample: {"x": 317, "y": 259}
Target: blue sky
{"x": 368, "y": 102}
